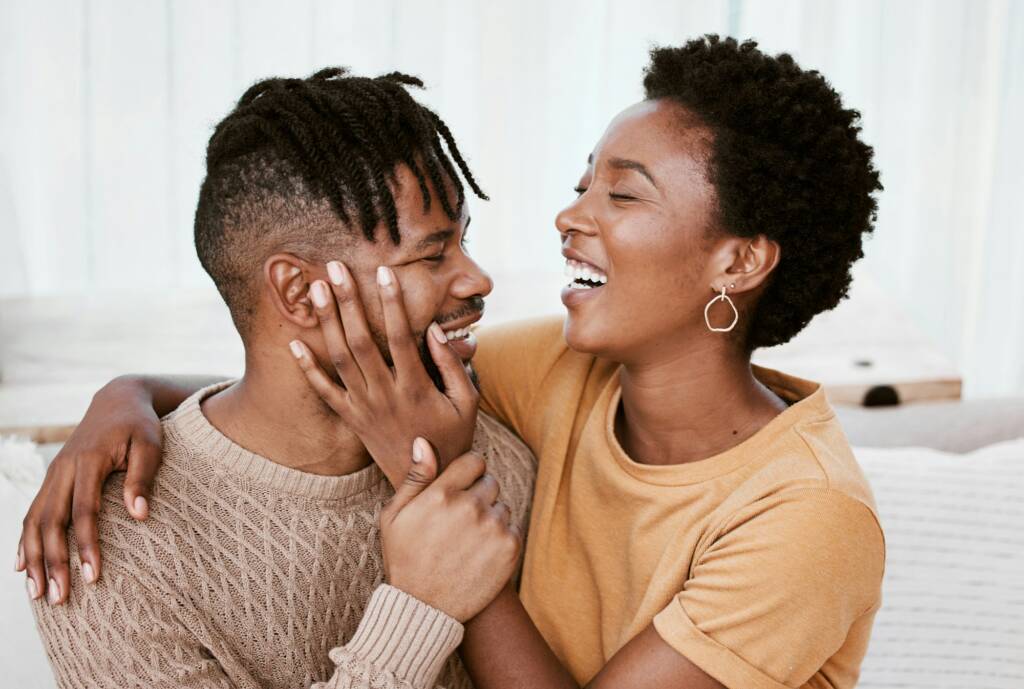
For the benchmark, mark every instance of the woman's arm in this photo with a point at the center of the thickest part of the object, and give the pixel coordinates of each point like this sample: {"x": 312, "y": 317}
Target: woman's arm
{"x": 502, "y": 649}
{"x": 120, "y": 431}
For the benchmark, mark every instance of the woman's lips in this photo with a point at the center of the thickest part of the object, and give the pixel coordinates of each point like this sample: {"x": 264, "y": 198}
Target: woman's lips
{"x": 572, "y": 296}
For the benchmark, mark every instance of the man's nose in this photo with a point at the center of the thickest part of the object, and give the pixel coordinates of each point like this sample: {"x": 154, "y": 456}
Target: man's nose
{"x": 472, "y": 282}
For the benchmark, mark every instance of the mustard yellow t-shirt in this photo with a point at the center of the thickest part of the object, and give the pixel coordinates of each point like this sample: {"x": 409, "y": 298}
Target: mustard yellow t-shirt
{"x": 762, "y": 565}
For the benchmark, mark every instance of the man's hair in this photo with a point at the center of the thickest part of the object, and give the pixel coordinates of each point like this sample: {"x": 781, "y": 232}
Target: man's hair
{"x": 786, "y": 161}
{"x": 305, "y": 165}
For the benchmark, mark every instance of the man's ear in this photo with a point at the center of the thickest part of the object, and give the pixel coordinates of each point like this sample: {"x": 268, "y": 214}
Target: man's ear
{"x": 288, "y": 278}
{"x": 749, "y": 263}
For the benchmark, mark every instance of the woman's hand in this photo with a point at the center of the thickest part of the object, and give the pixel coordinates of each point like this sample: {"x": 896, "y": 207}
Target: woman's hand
{"x": 120, "y": 431}
{"x": 387, "y": 408}
{"x": 447, "y": 540}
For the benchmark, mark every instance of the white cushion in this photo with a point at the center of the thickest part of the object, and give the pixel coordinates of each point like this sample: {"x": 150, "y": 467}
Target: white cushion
{"x": 22, "y": 659}
{"x": 953, "y": 598}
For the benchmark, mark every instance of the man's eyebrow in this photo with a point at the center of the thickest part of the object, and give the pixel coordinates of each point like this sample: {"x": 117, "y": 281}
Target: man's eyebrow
{"x": 439, "y": 237}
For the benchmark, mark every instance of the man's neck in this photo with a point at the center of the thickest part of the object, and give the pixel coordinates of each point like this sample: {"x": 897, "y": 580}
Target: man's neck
{"x": 274, "y": 413}
{"x": 691, "y": 402}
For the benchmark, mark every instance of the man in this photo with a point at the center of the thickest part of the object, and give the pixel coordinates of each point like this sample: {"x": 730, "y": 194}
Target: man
{"x": 261, "y": 551}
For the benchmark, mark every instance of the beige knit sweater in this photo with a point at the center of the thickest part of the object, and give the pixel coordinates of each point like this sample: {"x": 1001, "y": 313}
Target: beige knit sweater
{"x": 251, "y": 574}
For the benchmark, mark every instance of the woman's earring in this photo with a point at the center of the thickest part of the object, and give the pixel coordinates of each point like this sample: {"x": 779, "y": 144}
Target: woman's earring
{"x": 735, "y": 314}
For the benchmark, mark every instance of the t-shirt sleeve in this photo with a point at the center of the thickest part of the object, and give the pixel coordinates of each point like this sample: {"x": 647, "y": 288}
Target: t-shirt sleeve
{"x": 776, "y": 593}
{"x": 512, "y": 362}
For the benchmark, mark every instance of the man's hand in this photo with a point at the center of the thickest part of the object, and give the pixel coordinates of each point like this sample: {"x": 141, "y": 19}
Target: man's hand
{"x": 447, "y": 540}
{"x": 387, "y": 408}
{"x": 120, "y": 431}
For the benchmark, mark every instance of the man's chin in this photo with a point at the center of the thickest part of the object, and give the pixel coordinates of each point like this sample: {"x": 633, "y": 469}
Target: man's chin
{"x": 472, "y": 375}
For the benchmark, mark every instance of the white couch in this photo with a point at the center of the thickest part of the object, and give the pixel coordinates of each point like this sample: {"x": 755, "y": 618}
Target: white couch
{"x": 953, "y": 613}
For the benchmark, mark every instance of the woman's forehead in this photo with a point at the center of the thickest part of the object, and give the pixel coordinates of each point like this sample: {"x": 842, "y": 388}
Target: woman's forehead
{"x": 657, "y": 133}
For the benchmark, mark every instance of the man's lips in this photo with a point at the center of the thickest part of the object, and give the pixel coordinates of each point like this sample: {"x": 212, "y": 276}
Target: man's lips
{"x": 462, "y": 322}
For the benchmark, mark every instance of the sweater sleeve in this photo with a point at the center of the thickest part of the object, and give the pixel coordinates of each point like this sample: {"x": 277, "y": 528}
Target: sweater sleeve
{"x": 401, "y": 643}
{"x": 113, "y": 636}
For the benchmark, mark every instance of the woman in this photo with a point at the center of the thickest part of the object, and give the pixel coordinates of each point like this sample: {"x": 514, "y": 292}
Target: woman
{"x": 697, "y": 521}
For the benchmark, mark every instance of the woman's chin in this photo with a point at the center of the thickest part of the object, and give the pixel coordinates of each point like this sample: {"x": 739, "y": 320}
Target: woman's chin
{"x": 583, "y": 335}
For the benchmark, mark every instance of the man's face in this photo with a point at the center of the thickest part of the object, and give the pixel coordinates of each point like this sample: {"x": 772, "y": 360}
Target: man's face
{"x": 439, "y": 281}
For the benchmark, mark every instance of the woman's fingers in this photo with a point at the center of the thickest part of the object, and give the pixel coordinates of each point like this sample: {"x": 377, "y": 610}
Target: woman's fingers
{"x": 53, "y": 532}
{"x": 336, "y": 398}
{"x": 326, "y": 307}
{"x": 85, "y": 509}
{"x": 357, "y": 332}
{"x": 31, "y": 548}
{"x": 404, "y": 353}
{"x": 458, "y": 386}
{"x": 143, "y": 462}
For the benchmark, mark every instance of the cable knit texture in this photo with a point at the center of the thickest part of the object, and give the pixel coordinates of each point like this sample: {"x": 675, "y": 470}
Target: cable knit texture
{"x": 251, "y": 574}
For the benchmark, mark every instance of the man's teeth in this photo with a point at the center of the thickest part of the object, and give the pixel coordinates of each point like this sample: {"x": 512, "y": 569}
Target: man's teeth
{"x": 580, "y": 273}
{"x": 456, "y": 334}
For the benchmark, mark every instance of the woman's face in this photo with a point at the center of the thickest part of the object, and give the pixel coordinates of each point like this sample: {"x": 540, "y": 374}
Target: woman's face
{"x": 641, "y": 220}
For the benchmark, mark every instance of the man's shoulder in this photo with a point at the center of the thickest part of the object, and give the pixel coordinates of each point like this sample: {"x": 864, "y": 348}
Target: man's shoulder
{"x": 508, "y": 460}
{"x": 179, "y": 508}
{"x": 495, "y": 439}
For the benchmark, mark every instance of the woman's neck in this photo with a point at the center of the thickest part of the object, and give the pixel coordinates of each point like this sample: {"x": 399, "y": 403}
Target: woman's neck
{"x": 691, "y": 404}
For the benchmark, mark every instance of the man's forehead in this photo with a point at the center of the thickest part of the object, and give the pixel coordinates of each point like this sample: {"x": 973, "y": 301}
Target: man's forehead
{"x": 419, "y": 235}
{"x": 418, "y": 228}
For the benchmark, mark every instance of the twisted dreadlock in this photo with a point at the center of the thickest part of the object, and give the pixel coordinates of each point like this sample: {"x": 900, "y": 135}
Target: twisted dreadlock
{"x": 295, "y": 156}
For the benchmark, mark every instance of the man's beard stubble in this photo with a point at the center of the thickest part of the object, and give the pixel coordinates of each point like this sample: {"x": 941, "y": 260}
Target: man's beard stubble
{"x": 473, "y": 305}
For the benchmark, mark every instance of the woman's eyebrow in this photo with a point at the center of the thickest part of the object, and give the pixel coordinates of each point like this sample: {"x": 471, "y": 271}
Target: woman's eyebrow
{"x": 627, "y": 164}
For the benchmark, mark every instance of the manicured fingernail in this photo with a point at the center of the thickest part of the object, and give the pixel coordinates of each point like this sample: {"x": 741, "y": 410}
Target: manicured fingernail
{"x": 335, "y": 272}
{"x": 417, "y": 450}
{"x": 383, "y": 276}
{"x": 53, "y": 593}
{"x": 140, "y": 505}
{"x": 33, "y": 590}
{"x": 438, "y": 334}
{"x": 296, "y": 349}
{"x": 318, "y": 292}
{"x": 87, "y": 573}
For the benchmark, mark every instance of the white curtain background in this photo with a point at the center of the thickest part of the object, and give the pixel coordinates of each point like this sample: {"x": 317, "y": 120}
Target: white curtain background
{"x": 106, "y": 107}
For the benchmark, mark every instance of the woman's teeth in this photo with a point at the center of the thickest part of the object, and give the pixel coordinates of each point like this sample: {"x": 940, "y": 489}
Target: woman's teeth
{"x": 583, "y": 275}
{"x": 459, "y": 334}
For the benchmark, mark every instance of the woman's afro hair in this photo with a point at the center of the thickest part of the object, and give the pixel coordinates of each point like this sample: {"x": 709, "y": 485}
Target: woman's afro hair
{"x": 786, "y": 162}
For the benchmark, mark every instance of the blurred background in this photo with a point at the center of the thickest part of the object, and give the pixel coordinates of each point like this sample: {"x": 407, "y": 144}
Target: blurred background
{"x": 106, "y": 107}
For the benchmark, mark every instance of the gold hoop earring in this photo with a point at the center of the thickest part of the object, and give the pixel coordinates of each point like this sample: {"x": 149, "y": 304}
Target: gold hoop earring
{"x": 735, "y": 314}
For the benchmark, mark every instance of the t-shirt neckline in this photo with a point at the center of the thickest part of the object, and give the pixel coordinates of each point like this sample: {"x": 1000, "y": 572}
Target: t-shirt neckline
{"x": 807, "y": 401}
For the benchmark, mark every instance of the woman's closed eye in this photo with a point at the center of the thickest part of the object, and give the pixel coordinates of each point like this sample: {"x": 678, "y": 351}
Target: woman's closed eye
{"x": 615, "y": 196}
